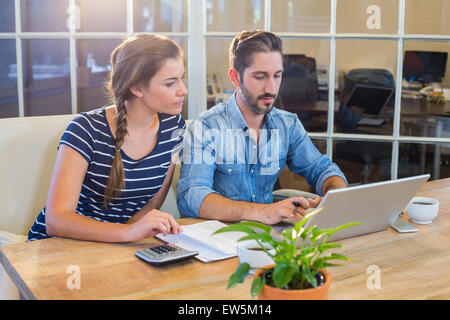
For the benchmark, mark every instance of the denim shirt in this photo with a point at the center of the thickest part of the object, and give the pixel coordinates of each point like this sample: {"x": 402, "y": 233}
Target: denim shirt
{"x": 221, "y": 156}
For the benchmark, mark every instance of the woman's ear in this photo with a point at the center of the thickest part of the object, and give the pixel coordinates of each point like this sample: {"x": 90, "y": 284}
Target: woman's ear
{"x": 137, "y": 91}
{"x": 234, "y": 77}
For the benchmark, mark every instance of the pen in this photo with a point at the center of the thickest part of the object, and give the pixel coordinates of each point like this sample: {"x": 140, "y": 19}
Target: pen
{"x": 296, "y": 204}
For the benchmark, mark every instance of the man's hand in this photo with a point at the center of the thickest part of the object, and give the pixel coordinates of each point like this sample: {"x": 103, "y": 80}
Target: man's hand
{"x": 294, "y": 207}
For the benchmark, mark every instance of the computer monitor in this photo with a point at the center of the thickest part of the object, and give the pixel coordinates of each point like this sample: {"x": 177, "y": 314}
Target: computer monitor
{"x": 424, "y": 66}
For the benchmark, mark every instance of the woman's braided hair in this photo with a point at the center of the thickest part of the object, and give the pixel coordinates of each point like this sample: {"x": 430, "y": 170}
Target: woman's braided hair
{"x": 134, "y": 62}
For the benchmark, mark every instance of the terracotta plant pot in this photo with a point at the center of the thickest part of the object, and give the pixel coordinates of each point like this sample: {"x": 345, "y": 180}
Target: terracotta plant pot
{"x": 272, "y": 293}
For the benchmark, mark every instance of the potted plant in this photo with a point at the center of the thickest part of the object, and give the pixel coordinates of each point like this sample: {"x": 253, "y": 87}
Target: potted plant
{"x": 300, "y": 265}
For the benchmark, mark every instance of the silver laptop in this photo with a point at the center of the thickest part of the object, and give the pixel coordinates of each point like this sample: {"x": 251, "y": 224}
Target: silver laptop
{"x": 375, "y": 205}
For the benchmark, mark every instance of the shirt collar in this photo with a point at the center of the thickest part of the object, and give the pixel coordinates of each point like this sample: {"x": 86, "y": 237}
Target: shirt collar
{"x": 237, "y": 120}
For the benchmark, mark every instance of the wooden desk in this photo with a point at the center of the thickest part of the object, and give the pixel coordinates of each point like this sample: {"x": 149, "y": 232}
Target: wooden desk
{"x": 412, "y": 266}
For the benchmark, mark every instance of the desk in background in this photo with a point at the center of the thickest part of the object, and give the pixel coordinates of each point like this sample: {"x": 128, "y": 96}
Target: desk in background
{"x": 412, "y": 266}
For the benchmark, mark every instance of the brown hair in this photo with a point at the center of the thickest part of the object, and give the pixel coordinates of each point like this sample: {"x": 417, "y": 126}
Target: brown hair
{"x": 135, "y": 61}
{"x": 246, "y": 43}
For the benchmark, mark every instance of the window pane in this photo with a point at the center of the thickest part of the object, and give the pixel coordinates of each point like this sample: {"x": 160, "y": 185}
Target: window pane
{"x": 304, "y": 89}
{"x": 367, "y": 16}
{"x": 234, "y": 15}
{"x": 301, "y": 16}
{"x": 7, "y": 16}
{"x": 44, "y": 15}
{"x": 93, "y": 67}
{"x": 9, "y": 106}
{"x": 102, "y": 15}
{"x": 289, "y": 180}
{"x": 219, "y": 85}
{"x": 160, "y": 16}
{"x": 425, "y": 64}
{"x": 363, "y": 161}
{"x": 427, "y": 17}
{"x": 368, "y": 65}
{"x": 46, "y": 74}
{"x": 418, "y": 158}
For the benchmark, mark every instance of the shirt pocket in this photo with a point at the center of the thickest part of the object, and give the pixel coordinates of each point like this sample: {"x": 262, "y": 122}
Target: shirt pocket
{"x": 272, "y": 167}
{"x": 229, "y": 180}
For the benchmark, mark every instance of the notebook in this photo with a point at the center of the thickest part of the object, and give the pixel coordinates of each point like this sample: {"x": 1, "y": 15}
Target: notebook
{"x": 199, "y": 237}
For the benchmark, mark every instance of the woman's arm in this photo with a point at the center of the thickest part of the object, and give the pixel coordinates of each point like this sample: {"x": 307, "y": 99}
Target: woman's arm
{"x": 62, "y": 220}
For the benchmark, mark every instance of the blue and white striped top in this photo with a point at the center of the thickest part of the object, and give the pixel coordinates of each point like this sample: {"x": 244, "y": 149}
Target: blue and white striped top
{"x": 90, "y": 135}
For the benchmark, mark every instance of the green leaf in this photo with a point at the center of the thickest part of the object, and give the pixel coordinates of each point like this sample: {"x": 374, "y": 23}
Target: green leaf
{"x": 309, "y": 276}
{"x": 336, "y": 256}
{"x": 257, "y": 286}
{"x": 287, "y": 233}
{"x": 326, "y": 246}
{"x": 331, "y": 265}
{"x": 257, "y": 225}
{"x": 239, "y": 275}
{"x": 283, "y": 273}
{"x": 305, "y": 219}
{"x": 258, "y": 236}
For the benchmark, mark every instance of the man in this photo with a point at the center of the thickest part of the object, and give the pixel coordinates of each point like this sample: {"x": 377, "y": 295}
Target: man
{"x": 235, "y": 151}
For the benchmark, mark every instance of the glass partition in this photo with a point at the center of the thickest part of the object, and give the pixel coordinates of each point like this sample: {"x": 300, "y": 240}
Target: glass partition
{"x": 234, "y": 15}
{"x": 44, "y": 15}
{"x": 366, "y": 90}
{"x": 367, "y": 16}
{"x": 7, "y": 16}
{"x": 46, "y": 77}
{"x": 301, "y": 16}
{"x": 427, "y": 17}
{"x": 160, "y": 15}
{"x": 9, "y": 106}
{"x": 363, "y": 161}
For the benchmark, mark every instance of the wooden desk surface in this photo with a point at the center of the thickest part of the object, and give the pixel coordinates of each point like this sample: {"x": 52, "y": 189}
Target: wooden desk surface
{"x": 412, "y": 266}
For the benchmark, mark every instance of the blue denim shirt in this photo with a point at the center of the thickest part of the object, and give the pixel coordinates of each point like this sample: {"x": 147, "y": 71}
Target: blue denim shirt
{"x": 220, "y": 156}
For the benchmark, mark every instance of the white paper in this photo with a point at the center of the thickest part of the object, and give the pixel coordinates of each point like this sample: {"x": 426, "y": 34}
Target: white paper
{"x": 199, "y": 237}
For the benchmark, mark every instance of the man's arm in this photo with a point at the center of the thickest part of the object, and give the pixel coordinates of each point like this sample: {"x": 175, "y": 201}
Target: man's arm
{"x": 333, "y": 182}
{"x": 215, "y": 206}
{"x": 307, "y": 161}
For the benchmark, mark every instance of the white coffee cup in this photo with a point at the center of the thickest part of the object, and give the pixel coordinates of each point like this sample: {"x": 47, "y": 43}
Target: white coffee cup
{"x": 256, "y": 258}
{"x": 422, "y": 210}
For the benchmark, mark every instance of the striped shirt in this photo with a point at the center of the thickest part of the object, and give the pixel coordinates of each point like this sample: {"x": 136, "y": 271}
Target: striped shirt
{"x": 90, "y": 135}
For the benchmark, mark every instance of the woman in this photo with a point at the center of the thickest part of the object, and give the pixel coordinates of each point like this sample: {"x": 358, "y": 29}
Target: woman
{"x": 115, "y": 164}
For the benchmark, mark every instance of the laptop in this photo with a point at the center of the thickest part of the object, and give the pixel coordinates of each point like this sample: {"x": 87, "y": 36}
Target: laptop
{"x": 372, "y": 100}
{"x": 375, "y": 205}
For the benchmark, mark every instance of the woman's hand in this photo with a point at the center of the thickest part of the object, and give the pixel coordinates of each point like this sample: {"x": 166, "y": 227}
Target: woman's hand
{"x": 151, "y": 224}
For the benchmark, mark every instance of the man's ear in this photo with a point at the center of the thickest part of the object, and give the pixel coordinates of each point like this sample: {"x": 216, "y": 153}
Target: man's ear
{"x": 234, "y": 77}
{"x": 137, "y": 91}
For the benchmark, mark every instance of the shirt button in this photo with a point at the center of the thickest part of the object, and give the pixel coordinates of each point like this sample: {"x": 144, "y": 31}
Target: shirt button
{"x": 254, "y": 147}
{"x": 229, "y": 170}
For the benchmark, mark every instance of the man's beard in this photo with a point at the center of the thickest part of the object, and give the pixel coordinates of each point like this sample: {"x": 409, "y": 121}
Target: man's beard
{"x": 252, "y": 101}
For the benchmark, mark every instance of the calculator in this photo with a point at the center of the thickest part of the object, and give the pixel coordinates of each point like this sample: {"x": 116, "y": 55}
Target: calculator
{"x": 164, "y": 254}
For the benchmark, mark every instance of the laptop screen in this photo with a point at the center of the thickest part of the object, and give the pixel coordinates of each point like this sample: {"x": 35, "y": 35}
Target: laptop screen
{"x": 371, "y": 98}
